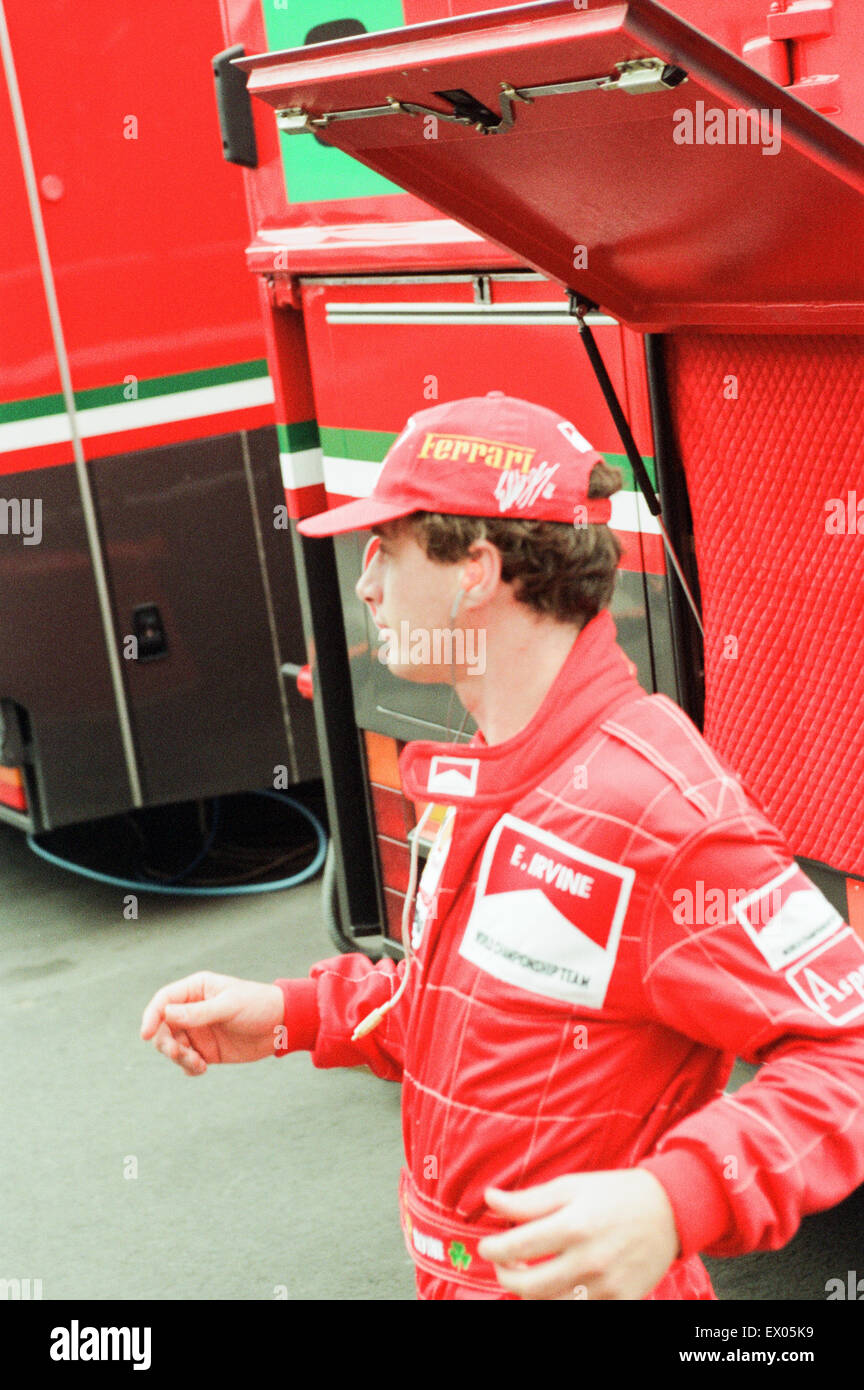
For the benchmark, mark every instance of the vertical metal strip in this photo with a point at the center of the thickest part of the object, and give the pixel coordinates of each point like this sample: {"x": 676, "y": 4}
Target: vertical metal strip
{"x": 687, "y": 639}
{"x": 643, "y": 482}
{"x": 641, "y": 509}
{"x": 84, "y": 489}
{"x": 268, "y": 599}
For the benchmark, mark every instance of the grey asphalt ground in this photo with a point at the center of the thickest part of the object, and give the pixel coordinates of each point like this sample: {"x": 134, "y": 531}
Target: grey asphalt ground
{"x": 251, "y": 1179}
{"x": 253, "y": 1182}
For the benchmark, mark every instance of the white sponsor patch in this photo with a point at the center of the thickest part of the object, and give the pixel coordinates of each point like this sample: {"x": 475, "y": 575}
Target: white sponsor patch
{"x": 831, "y": 981}
{"x": 576, "y": 439}
{"x": 427, "y": 891}
{"x": 547, "y": 915}
{"x": 454, "y": 776}
{"x": 430, "y": 1246}
{"x": 787, "y": 917}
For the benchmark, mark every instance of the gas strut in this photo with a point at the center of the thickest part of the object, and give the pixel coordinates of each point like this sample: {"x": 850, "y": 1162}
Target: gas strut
{"x": 579, "y": 308}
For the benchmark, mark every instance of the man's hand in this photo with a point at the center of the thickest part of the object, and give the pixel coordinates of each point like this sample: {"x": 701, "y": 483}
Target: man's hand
{"x": 604, "y": 1235}
{"x": 213, "y": 1018}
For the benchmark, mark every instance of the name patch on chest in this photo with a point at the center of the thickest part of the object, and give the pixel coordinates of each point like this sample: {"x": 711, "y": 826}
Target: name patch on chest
{"x": 547, "y": 916}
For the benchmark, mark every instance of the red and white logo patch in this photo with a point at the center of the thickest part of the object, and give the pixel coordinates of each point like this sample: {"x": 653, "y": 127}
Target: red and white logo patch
{"x": 453, "y": 776}
{"x": 787, "y": 917}
{"x": 831, "y": 980}
{"x": 547, "y": 916}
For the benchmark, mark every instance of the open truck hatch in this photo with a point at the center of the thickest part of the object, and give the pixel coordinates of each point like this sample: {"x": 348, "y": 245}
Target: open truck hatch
{"x": 615, "y": 149}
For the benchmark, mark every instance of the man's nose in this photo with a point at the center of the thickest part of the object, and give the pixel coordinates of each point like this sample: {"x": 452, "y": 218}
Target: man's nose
{"x": 366, "y": 589}
{"x": 368, "y": 586}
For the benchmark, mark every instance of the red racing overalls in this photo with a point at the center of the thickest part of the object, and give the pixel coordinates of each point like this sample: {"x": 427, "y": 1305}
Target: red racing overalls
{"x": 607, "y": 922}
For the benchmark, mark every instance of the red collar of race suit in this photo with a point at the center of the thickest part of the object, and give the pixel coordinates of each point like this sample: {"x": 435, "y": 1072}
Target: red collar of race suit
{"x": 595, "y": 680}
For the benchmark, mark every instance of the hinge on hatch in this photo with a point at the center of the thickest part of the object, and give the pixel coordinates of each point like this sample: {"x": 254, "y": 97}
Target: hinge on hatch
{"x": 295, "y": 121}
{"x": 802, "y": 19}
{"x": 283, "y": 291}
{"x": 636, "y": 76}
{"x": 788, "y": 24}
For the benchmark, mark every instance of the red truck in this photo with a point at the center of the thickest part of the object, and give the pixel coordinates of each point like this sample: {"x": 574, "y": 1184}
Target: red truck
{"x": 446, "y": 193}
{"x": 148, "y": 603}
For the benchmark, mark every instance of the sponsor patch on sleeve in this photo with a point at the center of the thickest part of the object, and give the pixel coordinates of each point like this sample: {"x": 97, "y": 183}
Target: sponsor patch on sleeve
{"x": 831, "y": 980}
{"x": 547, "y": 916}
{"x": 787, "y": 917}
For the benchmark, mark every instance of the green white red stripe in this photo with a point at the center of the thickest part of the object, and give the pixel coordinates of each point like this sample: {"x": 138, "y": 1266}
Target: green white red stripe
{"x": 131, "y": 415}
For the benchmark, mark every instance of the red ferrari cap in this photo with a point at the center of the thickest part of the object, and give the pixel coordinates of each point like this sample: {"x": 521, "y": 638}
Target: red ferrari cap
{"x": 486, "y": 456}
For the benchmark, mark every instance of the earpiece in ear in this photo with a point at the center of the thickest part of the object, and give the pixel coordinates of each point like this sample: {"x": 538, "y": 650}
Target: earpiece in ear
{"x": 465, "y": 585}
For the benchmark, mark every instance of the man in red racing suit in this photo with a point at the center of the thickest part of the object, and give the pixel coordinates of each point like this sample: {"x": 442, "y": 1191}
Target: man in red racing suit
{"x": 575, "y": 1011}
{"x": 606, "y": 921}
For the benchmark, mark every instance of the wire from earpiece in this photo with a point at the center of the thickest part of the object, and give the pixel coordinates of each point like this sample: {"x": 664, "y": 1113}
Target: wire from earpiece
{"x": 372, "y": 1020}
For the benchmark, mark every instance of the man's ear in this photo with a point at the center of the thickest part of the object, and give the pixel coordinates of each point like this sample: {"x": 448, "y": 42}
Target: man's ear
{"x": 481, "y": 572}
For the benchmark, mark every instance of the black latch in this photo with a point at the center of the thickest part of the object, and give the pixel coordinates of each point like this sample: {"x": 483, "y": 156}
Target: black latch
{"x": 149, "y": 632}
{"x": 235, "y": 109}
{"x": 472, "y": 111}
{"x": 325, "y": 33}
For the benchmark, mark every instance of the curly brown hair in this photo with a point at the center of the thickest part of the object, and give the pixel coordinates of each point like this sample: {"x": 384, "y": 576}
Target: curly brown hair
{"x": 560, "y": 571}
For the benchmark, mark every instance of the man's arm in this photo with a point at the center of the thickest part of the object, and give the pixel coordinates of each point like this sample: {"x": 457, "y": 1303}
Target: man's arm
{"x": 779, "y": 981}
{"x": 208, "y": 1018}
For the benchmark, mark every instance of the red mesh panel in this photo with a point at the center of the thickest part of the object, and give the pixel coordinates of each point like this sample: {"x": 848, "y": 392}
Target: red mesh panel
{"x": 787, "y": 711}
